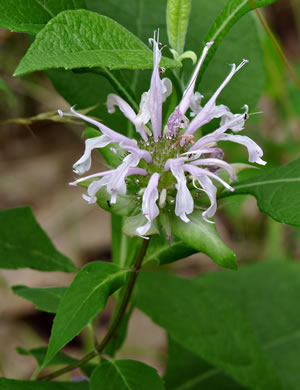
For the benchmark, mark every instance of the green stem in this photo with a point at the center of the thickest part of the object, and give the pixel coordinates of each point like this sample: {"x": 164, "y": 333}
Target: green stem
{"x": 114, "y": 326}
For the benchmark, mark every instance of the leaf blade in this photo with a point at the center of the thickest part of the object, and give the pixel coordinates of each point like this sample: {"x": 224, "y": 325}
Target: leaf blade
{"x": 277, "y": 192}
{"x": 30, "y": 16}
{"x": 209, "y": 326}
{"x": 203, "y": 237}
{"x": 25, "y": 245}
{"x": 12, "y": 384}
{"x": 272, "y": 309}
{"x": 83, "y": 39}
{"x": 125, "y": 375}
{"x": 44, "y": 299}
{"x": 178, "y": 12}
{"x": 84, "y": 299}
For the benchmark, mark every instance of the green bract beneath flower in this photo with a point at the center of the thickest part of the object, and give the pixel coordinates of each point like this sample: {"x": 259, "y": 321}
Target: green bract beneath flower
{"x": 167, "y": 171}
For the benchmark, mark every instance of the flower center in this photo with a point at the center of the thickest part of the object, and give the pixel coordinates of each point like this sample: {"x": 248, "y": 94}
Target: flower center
{"x": 168, "y": 147}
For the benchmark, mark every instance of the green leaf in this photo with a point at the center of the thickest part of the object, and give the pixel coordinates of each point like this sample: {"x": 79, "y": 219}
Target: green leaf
{"x": 187, "y": 371}
{"x": 44, "y": 299}
{"x": 11, "y": 384}
{"x": 163, "y": 252}
{"x": 204, "y": 237}
{"x": 83, "y": 39}
{"x": 125, "y": 375}
{"x": 232, "y": 12}
{"x": 83, "y": 300}
{"x": 268, "y": 295}
{"x": 209, "y": 326}
{"x": 277, "y": 192}
{"x": 40, "y": 353}
{"x": 60, "y": 359}
{"x": 30, "y": 16}
{"x": 178, "y": 13}
{"x": 23, "y": 244}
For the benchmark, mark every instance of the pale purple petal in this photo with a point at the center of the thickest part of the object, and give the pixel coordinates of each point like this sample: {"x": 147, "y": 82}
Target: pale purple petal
{"x": 210, "y": 110}
{"x": 94, "y": 187}
{"x": 137, "y": 171}
{"x": 156, "y": 93}
{"x": 197, "y": 172}
{"x": 117, "y": 184}
{"x": 195, "y": 104}
{"x": 211, "y": 191}
{"x": 99, "y": 174}
{"x": 84, "y": 163}
{"x": 113, "y": 135}
{"x": 215, "y": 136}
{"x": 143, "y": 115}
{"x": 149, "y": 206}
{"x": 184, "y": 200}
{"x": 215, "y": 162}
{"x": 115, "y": 100}
{"x": 189, "y": 92}
{"x": 176, "y": 121}
{"x": 255, "y": 151}
{"x": 237, "y": 120}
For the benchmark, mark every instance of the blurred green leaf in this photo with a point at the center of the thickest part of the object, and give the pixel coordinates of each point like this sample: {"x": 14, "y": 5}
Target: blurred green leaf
{"x": 187, "y": 371}
{"x": 204, "y": 237}
{"x": 11, "y": 384}
{"x": 83, "y": 39}
{"x": 268, "y": 295}
{"x": 10, "y": 98}
{"x": 40, "y": 353}
{"x": 277, "y": 192}
{"x": 178, "y": 13}
{"x": 60, "y": 359}
{"x": 83, "y": 300}
{"x": 23, "y": 244}
{"x": 30, "y": 16}
{"x": 44, "y": 299}
{"x": 125, "y": 375}
{"x": 208, "y": 325}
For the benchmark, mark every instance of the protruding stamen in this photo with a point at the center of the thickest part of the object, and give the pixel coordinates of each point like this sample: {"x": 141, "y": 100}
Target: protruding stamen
{"x": 162, "y": 198}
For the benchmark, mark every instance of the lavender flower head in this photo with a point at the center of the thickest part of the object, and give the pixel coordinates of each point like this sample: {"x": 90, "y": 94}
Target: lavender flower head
{"x": 170, "y": 166}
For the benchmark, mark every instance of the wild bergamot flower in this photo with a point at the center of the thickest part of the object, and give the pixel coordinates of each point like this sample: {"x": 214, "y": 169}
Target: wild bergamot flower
{"x": 169, "y": 167}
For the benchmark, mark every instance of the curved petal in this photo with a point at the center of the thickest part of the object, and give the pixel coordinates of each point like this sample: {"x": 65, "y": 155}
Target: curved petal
{"x": 115, "y": 100}
{"x": 211, "y": 191}
{"x": 113, "y": 135}
{"x": 184, "y": 200}
{"x": 210, "y": 110}
{"x": 215, "y": 162}
{"x": 156, "y": 92}
{"x": 149, "y": 206}
{"x": 117, "y": 183}
{"x": 237, "y": 120}
{"x": 217, "y": 134}
{"x": 197, "y": 172}
{"x": 94, "y": 187}
{"x": 188, "y": 94}
{"x": 84, "y": 163}
{"x": 255, "y": 151}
